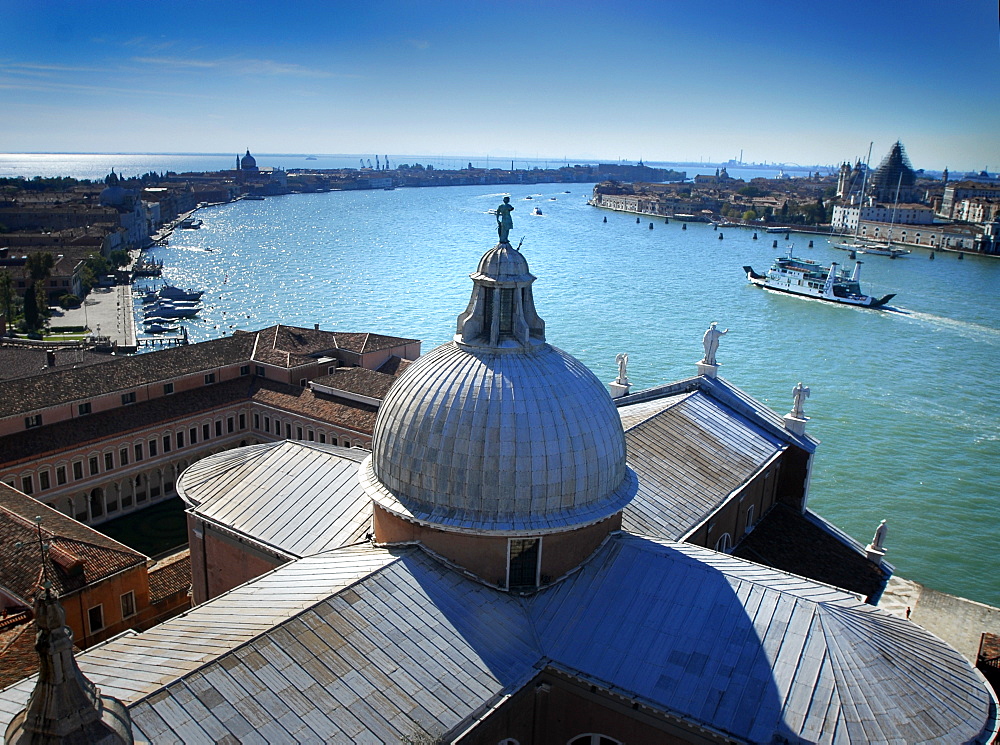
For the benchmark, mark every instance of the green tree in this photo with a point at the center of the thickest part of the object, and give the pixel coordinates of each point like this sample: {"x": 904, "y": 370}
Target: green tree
{"x": 94, "y": 267}
{"x": 30, "y": 309}
{"x": 119, "y": 258}
{"x": 40, "y": 265}
{"x": 749, "y": 215}
{"x": 42, "y": 303}
{"x": 7, "y": 296}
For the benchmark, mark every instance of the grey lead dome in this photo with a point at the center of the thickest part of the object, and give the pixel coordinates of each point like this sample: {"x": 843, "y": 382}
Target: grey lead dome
{"x": 499, "y": 432}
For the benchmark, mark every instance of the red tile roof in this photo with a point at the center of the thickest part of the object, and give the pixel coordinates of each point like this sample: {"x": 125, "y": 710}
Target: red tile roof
{"x": 77, "y": 555}
{"x": 170, "y": 576}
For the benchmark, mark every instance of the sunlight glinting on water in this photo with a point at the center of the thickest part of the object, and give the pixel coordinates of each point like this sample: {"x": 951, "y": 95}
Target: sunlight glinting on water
{"x": 898, "y": 399}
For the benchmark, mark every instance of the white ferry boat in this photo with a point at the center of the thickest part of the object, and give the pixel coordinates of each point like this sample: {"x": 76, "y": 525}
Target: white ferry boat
{"x": 810, "y": 279}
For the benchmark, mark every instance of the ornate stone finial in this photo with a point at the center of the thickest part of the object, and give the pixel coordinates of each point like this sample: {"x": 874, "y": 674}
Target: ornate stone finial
{"x": 711, "y": 342}
{"x": 799, "y": 394}
{"x": 622, "y": 361}
{"x": 504, "y": 221}
{"x": 64, "y": 707}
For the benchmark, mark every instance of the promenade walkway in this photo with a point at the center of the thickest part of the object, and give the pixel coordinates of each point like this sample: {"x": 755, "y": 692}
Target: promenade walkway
{"x": 958, "y": 621}
{"x": 107, "y": 311}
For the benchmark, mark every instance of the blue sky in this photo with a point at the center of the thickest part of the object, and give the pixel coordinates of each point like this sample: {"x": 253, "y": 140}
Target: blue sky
{"x": 787, "y": 81}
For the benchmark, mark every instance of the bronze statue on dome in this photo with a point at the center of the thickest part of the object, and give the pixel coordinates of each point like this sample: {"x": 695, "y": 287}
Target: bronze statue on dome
{"x": 504, "y": 221}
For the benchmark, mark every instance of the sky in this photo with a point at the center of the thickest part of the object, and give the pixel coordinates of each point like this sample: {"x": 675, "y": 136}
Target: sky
{"x": 663, "y": 80}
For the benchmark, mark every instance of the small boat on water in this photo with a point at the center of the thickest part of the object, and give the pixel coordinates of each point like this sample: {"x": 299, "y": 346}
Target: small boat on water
{"x": 536, "y": 211}
{"x": 161, "y": 328}
{"x": 170, "y": 292}
{"x": 254, "y": 197}
{"x": 165, "y": 310}
{"x": 864, "y": 247}
{"x": 190, "y": 223}
{"x": 808, "y": 278}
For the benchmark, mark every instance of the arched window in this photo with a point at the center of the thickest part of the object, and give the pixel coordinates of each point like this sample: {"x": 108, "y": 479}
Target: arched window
{"x": 724, "y": 544}
{"x": 97, "y": 502}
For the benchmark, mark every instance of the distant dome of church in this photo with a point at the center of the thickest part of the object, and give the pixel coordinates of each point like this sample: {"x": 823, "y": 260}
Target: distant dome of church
{"x": 498, "y": 431}
{"x": 114, "y": 193}
{"x": 248, "y": 162}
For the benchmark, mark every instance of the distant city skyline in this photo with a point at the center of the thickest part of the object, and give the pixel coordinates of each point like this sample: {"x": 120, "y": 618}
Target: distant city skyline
{"x": 660, "y": 81}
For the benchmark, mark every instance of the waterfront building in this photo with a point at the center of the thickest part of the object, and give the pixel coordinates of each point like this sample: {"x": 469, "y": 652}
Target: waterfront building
{"x": 97, "y": 442}
{"x": 958, "y": 191}
{"x": 845, "y": 217}
{"x": 524, "y": 582}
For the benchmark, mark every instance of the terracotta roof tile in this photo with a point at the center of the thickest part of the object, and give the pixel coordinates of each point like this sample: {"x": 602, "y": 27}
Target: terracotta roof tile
{"x": 21, "y": 362}
{"x": 18, "y": 658}
{"x": 340, "y": 412}
{"x": 42, "y": 391}
{"x": 78, "y": 556}
{"x": 395, "y": 365}
{"x": 170, "y": 576}
{"x": 361, "y": 343}
{"x": 358, "y": 380}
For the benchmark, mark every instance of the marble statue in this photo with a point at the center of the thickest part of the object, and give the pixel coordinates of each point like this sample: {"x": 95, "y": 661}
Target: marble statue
{"x": 711, "y": 342}
{"x": 799, "y": 394}
{"x": 878, "y": 541}
{"x": 622, "y": 360}
{"x": 504, "y": 222}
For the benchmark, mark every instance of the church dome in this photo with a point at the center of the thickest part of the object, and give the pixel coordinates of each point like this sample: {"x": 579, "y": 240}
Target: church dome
{"x": 497, "y": 431}
{"x": 248, "y": 162}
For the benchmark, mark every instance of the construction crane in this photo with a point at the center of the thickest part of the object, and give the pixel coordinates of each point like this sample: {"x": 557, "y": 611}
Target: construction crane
{"x": 369, "y": 162}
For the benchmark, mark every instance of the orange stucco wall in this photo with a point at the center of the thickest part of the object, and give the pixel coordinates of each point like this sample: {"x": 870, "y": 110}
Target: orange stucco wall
{"x": 486, "y": 556}
{"x": 220, "y": 562}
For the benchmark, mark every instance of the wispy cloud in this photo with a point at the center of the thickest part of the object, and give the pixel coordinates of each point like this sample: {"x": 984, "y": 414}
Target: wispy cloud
{"x": 239, "y": 66}
{"x": 27, "y": 68}
{"x": 46, "y": 86}
{"x": 420, "y": 44}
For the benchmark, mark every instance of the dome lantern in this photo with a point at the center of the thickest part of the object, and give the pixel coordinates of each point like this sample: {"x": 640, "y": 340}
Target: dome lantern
{"x": 496, "y": 439}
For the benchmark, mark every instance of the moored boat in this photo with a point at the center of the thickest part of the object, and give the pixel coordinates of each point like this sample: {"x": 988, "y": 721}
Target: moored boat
{"x": 170, "y": 292}
{"x": 808, "y": 278}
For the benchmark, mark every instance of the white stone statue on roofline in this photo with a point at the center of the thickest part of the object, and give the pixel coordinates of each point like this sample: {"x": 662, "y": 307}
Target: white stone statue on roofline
{"x": 622, "y": 360}
{"x": 711, "y": 342}
{"x": 799, "y": 394}
{"x": 878, "y": 541}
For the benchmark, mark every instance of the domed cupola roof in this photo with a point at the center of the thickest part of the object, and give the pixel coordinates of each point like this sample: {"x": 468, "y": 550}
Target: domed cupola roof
{"x": 114, "y": 194}
{"x": 248, "y": 162}
{"x": 498, "y": 432}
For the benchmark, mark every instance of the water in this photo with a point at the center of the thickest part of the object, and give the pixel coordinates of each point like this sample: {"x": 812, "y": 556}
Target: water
{"x": 95, "y": 166}
{"x": 900, "y": 399}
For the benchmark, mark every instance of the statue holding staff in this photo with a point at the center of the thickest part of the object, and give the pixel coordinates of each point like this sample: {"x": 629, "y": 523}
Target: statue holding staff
{"x": 711, "y": 342}
{"x": 504, "y": 221}
{"x": 799, "y": 394}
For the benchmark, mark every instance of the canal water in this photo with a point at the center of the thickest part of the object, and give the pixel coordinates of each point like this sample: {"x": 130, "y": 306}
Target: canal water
{"x": 903, "y": 400}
